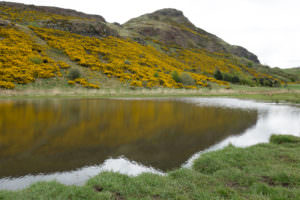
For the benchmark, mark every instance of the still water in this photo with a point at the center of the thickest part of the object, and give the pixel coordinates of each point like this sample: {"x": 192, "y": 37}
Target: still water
{"x": 72, "y": 140}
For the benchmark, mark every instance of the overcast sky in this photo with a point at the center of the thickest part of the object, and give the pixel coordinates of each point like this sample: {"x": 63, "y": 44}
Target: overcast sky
{"x": 268, "y": 28}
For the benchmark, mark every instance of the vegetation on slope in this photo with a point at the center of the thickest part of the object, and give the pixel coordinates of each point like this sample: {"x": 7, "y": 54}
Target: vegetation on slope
{"x": 57, "y": 18}
{"x": 285, "y": 75}
{"x": 190, "y": 59}
{"x": 294, "y": 72}
{"x": 139, "y": 65}
{"x": 142, "y": 66}
{"x": 28, "y": 14}
{"x": 264, "y": 171}
{"x": 23, "y": 60}
{"x": 171, "y": 27}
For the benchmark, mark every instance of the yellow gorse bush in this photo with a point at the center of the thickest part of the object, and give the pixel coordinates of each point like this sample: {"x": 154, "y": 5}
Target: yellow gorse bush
{"x": 84, "y": 83}
{"x": 127, "y": 60}
{"x": 7, "y": 85}
{"x": 22, "y": 60}
{"x": 21, "y": 15}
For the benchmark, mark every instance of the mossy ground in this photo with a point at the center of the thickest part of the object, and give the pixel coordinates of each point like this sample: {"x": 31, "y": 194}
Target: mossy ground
{"x": 264, "y": 171}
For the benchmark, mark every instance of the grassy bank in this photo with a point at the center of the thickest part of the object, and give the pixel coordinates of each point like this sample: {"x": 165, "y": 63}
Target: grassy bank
{"x": 264, "y": 171}
{"x": 289, "y": 94}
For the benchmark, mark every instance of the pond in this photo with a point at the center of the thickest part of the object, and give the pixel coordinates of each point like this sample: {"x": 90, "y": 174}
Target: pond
{"x": 72, "y": 140}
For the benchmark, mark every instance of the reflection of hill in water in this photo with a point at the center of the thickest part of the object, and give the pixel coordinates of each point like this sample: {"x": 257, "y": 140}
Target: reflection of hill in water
{"x": 59, "y": 135}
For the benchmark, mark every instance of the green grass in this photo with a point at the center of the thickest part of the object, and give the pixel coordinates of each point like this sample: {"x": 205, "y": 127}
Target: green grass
{"x": 294, "y": 71}
{"x": 294, "y": 86}
{"x": 264, "y": 171}
{"x": 59, "y": 88}
{"x": 276, "y": 98}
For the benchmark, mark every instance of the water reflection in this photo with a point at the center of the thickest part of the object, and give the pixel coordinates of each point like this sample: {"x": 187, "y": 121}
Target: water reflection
{"x": 79, "y": 176}
{"x": 63, "y": 135}
{"x": 272, "y": 119}
{"x": 79, "y": 133}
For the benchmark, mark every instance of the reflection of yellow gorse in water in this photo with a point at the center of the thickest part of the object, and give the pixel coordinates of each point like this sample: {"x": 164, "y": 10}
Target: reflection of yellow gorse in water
{"x": 51, "y": 127}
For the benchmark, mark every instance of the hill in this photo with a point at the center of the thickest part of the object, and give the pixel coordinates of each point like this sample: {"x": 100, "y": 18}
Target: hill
{"x": 295, "y": 71}
{"x": 170, "y": 26}
{"x": 54, "y": 47}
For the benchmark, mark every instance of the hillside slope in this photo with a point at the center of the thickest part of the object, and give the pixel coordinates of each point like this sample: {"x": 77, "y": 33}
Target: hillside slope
{"x": 172, "y": 27}
{"x": 295, "y": 71}
{"x": 161, "y": 49}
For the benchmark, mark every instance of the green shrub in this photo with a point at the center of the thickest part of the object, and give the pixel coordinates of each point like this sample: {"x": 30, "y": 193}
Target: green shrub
{"x": 186, "y": 79}
{"x": 156, "y": 75}
{"x": 250, "y": 64}
{"x": 175, "y": 76}
{"x": 36, "y": 60}
{"x": 280, "y": 139}
{"x": 227, "y": 77}
{"x": 235, "y": 79}
{"x": 127, "y": 62}
{"x": 74, "y": 74}
{"x": 245, "y": 81}
{"x": 218, "y": 75}
{"x": 268, "y": 82}
{"x": 231, "y": 78}
{"x": 277, "y": 83}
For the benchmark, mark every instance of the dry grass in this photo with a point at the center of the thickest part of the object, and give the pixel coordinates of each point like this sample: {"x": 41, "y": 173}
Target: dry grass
{"x": 279, "y": 95}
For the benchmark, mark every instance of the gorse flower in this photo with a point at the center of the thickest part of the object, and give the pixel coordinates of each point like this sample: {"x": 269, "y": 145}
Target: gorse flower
{"x": 22, "y": 60}
{"x": 129, "y": 61}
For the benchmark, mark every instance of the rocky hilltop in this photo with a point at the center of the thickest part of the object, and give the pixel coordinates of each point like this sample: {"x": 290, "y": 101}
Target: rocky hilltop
{"x": 161, "y": 49}
{"x": 172, "y": 27}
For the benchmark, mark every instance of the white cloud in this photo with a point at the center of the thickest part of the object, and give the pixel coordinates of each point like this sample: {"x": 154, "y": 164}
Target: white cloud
{"x": 268, "y": 28}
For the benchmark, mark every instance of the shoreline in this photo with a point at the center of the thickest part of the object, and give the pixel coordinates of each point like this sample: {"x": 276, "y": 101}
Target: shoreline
{"x": 267, "y": 170}
{"x": 258, "y": 94}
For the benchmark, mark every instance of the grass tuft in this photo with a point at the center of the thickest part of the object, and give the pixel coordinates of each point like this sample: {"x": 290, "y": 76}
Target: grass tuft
{"x": 281, "y": 139}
